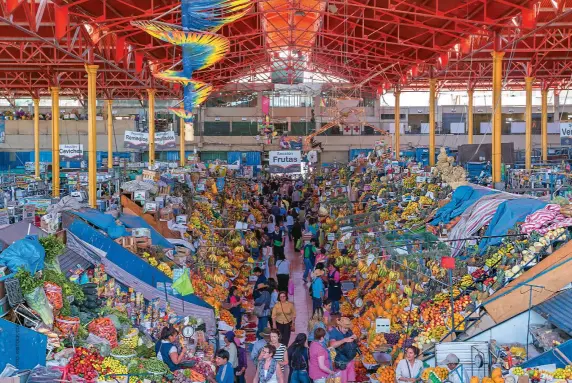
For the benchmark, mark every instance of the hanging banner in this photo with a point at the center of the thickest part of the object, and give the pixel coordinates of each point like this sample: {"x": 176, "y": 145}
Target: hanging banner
{"x": 265, "y": 105}
{"x": 139, "y": 140}
{"x": 165, "y": 140}
{"x": 2, "y": 131}
{"x": 135, "y": 140}
{"x": 71, "y": 152}
{"x": 285, "y": 161}
{"x": 293, "y": 143}
{"x": 566, "y": 133}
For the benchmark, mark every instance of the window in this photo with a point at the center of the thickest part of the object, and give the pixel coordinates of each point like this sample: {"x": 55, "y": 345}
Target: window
{"x": 291, "y": 101}
{"x": 391, "y": 116}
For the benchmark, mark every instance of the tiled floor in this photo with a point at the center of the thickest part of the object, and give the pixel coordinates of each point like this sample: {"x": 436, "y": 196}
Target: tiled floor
{"x": 301, "y": 299}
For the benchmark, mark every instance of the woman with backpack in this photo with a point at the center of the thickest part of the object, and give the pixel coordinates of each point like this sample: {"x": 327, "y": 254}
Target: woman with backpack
{"x": 299, "y": 360}
{"x": 262, "y": 309}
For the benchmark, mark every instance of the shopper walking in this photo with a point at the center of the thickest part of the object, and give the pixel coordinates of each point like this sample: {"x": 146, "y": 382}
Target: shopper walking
{"x": 343, "y": 340}
{"x": 283, "y": 317}
{"x": 299, "y": 360}
{"x": 281, "y": 356}
{"x": 230, "y": 346}
{"x": 297, "y": 235}
{"x": 267, "y": 370}
{"x": 283, "y": 273}
{"x": 259, "y": 344}
{"x": 262, "y": 309}
{"x": 278, "y": 237}
{"x": 320, "y": 366}
{"x": 309, "y": 258}
{"x": 273, "y": 288}
{"x": 317, "y": 290}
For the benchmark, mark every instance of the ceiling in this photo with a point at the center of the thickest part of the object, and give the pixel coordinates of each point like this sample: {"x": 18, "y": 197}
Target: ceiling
{"x": 374, "y": 45}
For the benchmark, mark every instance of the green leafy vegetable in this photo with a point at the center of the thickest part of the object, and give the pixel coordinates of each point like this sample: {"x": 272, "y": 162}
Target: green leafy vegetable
{"x": 28, "y": 282}
{"x": 53, "y": 247}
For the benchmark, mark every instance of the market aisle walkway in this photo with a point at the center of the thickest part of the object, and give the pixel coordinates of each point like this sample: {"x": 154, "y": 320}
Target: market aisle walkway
{"x": 301, "y": 299}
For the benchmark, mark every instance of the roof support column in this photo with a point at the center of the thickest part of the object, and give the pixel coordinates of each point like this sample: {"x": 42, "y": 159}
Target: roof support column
{"x": 151, "y": 117}
{"x": 397, "y": 130}
{"x": 544, "y": 124}
{"x": 432, "y": 101}
{"x": 55, "y": 141}
{"x": 109, "y": 107}
{"x": 182, "y": 141}
{"x": 497, "y": 116}
{"x": 528, "y": 123}
{"x": 37, "y": 137}
{"x": 91, "y": 135}
{"x": 470, "y": 94}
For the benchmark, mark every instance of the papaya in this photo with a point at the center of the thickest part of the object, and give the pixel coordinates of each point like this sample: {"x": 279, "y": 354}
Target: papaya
{"x": 496, "y": 373}
{"x": 474, "y": 379}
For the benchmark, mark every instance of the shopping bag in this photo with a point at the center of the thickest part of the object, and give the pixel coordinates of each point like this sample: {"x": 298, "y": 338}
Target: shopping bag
{"x": 183, "y": 285}
{"x": 299, "y": 243}
{"x": 290, "y": 287}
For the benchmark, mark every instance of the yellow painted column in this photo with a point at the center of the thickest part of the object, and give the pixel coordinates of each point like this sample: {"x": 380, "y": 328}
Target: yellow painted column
{"x": 55, "y": 141}
{"x": 151, "y": 118}
{"x": 497, "y": 116}
{"x": 37, "y": 137}
{"x": 470, "y": 93}
{"x": 109, "y": 107}
{"x": 91, "y": 135}
{"x": 544, "y": 133}
{"x": 397, "y": 131}
{"x": 528, "y": 121}
{"x": 432, "y": 99}
{"x": 182, "y": 142}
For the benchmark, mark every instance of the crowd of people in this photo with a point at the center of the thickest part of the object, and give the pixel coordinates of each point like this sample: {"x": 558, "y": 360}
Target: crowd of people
{"x": 291, "y": 218}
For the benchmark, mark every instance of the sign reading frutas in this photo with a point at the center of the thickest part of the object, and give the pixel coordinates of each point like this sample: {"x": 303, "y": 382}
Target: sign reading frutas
{"x": 285, "y": 161}
{"x": 71, "y": 152}
{"x": 566, "y": 133}
{"x": 139, "y": 140}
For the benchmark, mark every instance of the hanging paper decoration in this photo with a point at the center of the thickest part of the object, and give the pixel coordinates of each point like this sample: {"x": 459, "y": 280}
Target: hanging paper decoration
{"x": 201, "y": 47}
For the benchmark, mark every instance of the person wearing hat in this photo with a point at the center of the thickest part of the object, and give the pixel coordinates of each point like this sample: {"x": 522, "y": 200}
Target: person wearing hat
{"x": 457, "y": 373}
{"x": 259, "y": 344}
{"x": 230, "y": 346}
{"x": 339, "y": 336}
{"x": 317, "y": 289}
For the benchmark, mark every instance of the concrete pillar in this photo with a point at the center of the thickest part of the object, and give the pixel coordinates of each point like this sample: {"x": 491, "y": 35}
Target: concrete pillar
{"x": 528, "y": 121}
{"x": 397, "y": 133}
{"x": 151, "y": 117}
{"x": 432, "y": 100}
{"x": 470, "y": 94}
{"x": 36, "y": 137}
{"x": 55, "y": 91}
{"x": 109, "y": 107}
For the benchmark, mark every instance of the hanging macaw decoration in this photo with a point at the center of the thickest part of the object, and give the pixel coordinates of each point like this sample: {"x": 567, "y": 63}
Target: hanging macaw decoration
{"x": 201, "y": 47}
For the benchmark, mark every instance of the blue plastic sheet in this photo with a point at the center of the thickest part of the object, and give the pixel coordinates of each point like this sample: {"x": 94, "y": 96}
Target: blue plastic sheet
{"x": 507, "y": 215}
{"x": 104, "y": 222}
{"x": 462, "y": 198}
{"x": 25, "y": 253}
{"x": 134, "y": 221}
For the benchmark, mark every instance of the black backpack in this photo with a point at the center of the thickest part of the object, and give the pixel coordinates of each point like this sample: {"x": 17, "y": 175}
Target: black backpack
{"x": 298, "y": 361}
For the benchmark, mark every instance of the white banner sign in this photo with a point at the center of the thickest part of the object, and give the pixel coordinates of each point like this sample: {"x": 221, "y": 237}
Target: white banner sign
{"x": 71, "y": 152}
{"x": 139, "y": 140}
{"x": 135, "y": 140}
{"x": 285, "y": 161}
{"x": 165, "y": 140}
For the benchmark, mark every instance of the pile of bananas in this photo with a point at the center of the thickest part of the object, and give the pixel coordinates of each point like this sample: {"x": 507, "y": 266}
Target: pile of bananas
{"x": 153, "y": 262}
{"x": 408, "y": 290}
{"x": 391, "y": 288}
{"x": 342, "y": 261}
{"x": 493, "y": 259}
{"x": 411, "y": 209}
{"x": 441, "y": 297}
{"x": 214, "y": 278}
{"x": 425, "y": 200}
{"x": 393, "y": 275}
{"x": 165, "y": 269}
{"x": 410, "y": 182}
{"x": 465, "y": 282}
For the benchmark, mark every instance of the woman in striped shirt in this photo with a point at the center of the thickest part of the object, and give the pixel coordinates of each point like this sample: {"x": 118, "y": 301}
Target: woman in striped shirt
{"x": 281, "y": 355}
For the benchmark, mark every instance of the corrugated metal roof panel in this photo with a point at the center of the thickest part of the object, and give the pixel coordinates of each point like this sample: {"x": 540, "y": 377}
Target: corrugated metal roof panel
{"x": 558, "y": 310}
{"x": 70, "y": 260}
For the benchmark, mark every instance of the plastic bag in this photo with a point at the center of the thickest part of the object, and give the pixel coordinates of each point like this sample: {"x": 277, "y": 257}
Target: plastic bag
{"x": 54, "y": 295}
{"x": 42, "y": 374}
{"x": 183, "y": 285}
{"x": 101, "y": 344}
{"x": 27, "y": 253}
{"x": 38, "y": 302}
{"x": 104, "y": 328}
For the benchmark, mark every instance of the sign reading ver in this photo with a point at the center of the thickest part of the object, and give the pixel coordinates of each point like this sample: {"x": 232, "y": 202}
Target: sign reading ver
{"x": 565, "y": 133}
{"x": 285, "y": 161}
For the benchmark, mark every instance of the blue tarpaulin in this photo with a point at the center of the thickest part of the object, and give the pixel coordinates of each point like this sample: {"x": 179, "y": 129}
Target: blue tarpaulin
{"x": 463, "y": 197}
{"x": 126, "y": 260}
{"x": 551, "y": 357}
{"x": 134, "y": 221}
{"x": 26, "y": 253}
{"x": 104, "y": 222}
{"x": 21, "y": 347}
{"x": 507, "y": 215}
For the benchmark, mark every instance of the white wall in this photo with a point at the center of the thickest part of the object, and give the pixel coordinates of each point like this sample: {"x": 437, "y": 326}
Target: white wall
{"x": 513, "y": 330}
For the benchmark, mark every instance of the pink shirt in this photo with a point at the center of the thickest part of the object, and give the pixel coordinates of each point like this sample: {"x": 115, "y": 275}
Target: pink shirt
{"x": 314, "y": 370}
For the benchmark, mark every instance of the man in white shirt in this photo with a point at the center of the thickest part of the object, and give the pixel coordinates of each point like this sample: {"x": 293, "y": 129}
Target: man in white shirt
{"x": 457, "y": 372}
{"x": 230, "y": 346}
